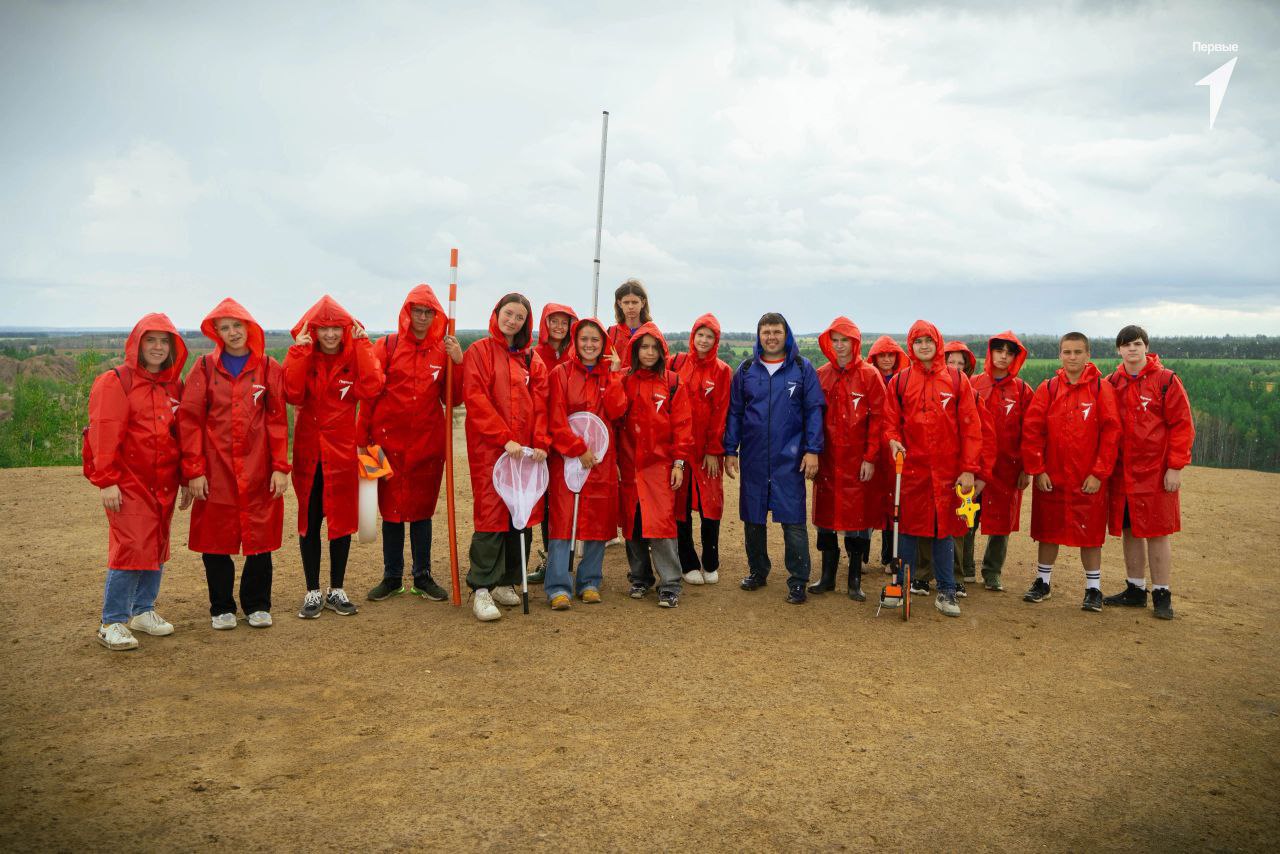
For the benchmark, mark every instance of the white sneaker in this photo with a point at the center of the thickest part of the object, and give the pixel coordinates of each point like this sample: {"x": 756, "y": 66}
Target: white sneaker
{"x": 260, "y": 619}
{"x": 711, "y": 577}
{"x": 224, "y": 621}
{"x": 947, "y": 604}
{"x": 693, "y": 576}
{"x": 151, "y": 623}
{"x": 506, "y": 596}
{"x": 482, "y": 606}
{"x": 117, "y": 636}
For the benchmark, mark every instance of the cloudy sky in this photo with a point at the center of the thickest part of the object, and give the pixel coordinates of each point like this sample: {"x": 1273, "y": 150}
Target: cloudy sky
{"x": 984, "y": 165}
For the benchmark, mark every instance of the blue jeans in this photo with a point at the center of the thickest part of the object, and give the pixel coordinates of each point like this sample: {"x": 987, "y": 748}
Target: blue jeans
{"x": 129, "y": 592}
{"x": 943, "y": 559}
{"x": 590, "y": 569}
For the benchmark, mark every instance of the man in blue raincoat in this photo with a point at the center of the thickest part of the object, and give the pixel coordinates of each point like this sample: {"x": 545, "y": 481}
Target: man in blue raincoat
{"x": 774, "y": 435}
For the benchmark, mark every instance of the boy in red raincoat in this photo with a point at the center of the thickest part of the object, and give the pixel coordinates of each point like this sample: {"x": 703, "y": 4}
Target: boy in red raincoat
{"x": 845, "y": 499}
{"x": 1069, "y": 439}
{"x": 132, "y": 455}
{"x": 931, "y": 417}
{"x": 887, "y": 357}
{"x": 407, "y": 420}
{"x": 1005, "y": 397}
{"x": 1157, "y": 432}
{"x": 234, "y": 428}
{"x": 505, "y": 389}
{"x": 589, "y": 381}
{"x": 555, "y": 347}
{"x": 656, "y": 442}
{"x": 707, "y": 378}
{"x": 329, "y": 368}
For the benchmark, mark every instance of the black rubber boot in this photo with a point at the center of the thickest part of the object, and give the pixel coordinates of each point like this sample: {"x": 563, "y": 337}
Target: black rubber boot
{"x": 859, "y": 553}
{"x": 830, "y": 563}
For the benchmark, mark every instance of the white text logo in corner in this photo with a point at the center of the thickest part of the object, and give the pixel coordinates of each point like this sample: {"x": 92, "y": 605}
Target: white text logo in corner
{"x": 659, "y": 399}
{"x": 257, "y": 391}
{"x": 1008, "y": 406}
{"x": 1087, "y": 407}
{"x": 710, "y": 386}
{"x": 1218, "y": 79}
{"x": 791, "y": 389}
{"x": 1145, "y": 401}
{"x": 435, "y": 372}
{"x": 345, "y": 387}
{"x": 857, "y": 398}
{"x": 946, "y": 398}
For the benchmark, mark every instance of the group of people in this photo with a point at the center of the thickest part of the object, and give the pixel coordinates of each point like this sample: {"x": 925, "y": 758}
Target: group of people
{"x": 1104, "y": 453}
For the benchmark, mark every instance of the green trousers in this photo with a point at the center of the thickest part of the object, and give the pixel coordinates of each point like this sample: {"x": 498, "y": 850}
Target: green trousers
{"x": 495, "y": 558}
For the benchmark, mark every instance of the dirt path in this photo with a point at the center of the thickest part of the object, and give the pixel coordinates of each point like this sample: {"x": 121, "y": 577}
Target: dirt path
{"x": 734, "y": 722}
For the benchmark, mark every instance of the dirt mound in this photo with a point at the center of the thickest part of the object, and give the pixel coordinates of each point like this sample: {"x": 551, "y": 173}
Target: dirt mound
{"x": 733, "y": 722}
{"x": 62, "y": 368}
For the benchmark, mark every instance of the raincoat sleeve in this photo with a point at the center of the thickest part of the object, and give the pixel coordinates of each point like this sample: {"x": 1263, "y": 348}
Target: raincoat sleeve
{"x": 874, "y": 399}
{"x": 1034, "y": 424}
{"x": 108, "y": 423}
{"x": 563, "y": 439}
{"x": 717, "y": 416}
{"x": 296, "y": 362}
{"x": 277, "y": 418}
{"x": 815, "y": 404}
{"x": 476, "y": 388}
{"x": 615, "y": 397}
{"x": 538, "y": 390}
{"x": 369, "y": 374}
{"x": 368, "y": 406}
{"x": 892, "y": 429}
{"x": 737, "y": 407}
{"x": 682, "y": 427}
{"x": 457, "y": 372}
{"x": 972, "y": 431}
{"x": 1182, "y": 429}
{"x": 1108, "y": 432}
{"x": 192, "y": 414}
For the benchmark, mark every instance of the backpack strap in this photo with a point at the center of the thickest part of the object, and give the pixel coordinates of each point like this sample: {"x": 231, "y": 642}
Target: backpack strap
{"x": 392, "y": 340}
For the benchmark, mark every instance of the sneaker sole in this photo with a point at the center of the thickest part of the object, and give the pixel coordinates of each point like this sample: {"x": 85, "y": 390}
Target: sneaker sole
{"x": 116, "y": 647}
{"x": 223, "y": 628}
{"x": 388, "y": 596}
{"x": 1091, "y": 609}
{"x": 662, "y": 603}
{"x": 1044, "y": 598}
{"x": 351, "y": 613}
{"x": 945, "y": 612}
{"x": 260, "y": 625}
{"x": 491, "y": 619}
{"x": 434, "y": 597}
{"x": 164, "y": 633}
{"x": 1163, "y": 616}
{"x": 305, "y": 616}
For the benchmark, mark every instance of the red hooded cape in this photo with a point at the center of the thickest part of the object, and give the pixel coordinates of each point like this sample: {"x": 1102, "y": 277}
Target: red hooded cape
{"x": 506, "y": 397}
{"x": 708, "y": 379}
{"x": 575, "y": 388}
{"x": 325, "y": 389}
{"x": 407, "y": 420}
{"x": 842, "y": 501}
{"x": 133, "y": 441}
{"x": 932, "y": 413}
{"x": 235, "y": 432}
{"x": 656, "y": 431}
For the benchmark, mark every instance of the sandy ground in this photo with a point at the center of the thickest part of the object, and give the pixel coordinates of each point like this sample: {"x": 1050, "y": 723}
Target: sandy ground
{"x": 733, "y": 722}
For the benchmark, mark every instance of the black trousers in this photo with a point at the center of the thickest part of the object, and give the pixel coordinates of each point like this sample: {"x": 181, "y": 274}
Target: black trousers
{"x": 255, "y": 583}
{"x": 339, "y": 549}
{"x": 393, "y": 549}
{"x": 689, "y": 560}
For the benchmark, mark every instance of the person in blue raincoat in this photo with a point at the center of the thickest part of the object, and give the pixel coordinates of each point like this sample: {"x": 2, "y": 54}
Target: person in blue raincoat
{"x": 774, "y": 435}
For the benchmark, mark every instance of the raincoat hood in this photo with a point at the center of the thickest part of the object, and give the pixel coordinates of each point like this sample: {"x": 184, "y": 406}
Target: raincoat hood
{"x": 526, "y": 331}
{"x": 925, "y": 329}
{"x": 1088, "y": 375}
{"x": 1018, "y": 361}
{"x": 790, "y": 350}
{"x": 846, "y": 327}
{"x": 886, "y": 344}
{"x": 708, "y": 320}
{"x": 423, "y": 295}
{"x": 255, "y": 338}
{"x": 649, "y": 328}
{"x": 970, "y": 360}
{"x": 606, "y": 346}
{"x": 326, "y": 312}
{"x": 544, "y": 337}
{"x": 1153, "y": 364}
{"x": 156, "y": 322}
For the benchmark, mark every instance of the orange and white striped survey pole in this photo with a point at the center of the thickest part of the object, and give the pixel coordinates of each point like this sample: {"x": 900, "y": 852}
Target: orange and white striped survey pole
{"x": 456, "y": 596}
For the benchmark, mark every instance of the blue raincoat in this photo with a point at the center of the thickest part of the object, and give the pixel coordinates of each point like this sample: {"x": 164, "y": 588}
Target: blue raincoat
{"x": 773, "y": 422}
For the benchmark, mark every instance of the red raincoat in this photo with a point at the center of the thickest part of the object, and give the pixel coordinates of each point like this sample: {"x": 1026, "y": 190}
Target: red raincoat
{"x": 407, "y": 420}
{"x": 235, "y": 432}
{"x": 550, "y": 358}
{"x": 1157, "y": 432}
{"x": 325, "y": 388}
{"x": 989, "y": 440}
{"x": 882, "y": 483}
{"x": 855, "y": 432}
{"x": 506, "y": 398}
{"x": 1005, "y": 401}
{"x": 657, "y": 430}
{"x": 932, "y": 412}
{"x": 707, "y": 379}
{"x": 1071, "y": 432}
{"x": 133, "y": 440}
{"x": 573, "y": 388}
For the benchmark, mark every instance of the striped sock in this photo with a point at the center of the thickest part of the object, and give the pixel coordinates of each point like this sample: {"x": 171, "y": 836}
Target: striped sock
{"x": 1045, "y": 570}
{"x": 1093, "y": 580}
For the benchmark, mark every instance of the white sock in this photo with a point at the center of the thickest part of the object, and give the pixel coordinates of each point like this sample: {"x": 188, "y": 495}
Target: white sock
{"x": 1159, "y": 587}
{"x": 1093, "y": 580}
{"x": 1045, "y": 570}
{"x": 1140, "y": 583}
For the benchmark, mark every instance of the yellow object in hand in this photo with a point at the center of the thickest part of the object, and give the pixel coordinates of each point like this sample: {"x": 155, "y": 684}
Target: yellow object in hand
{"x": 968, "y": 507}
